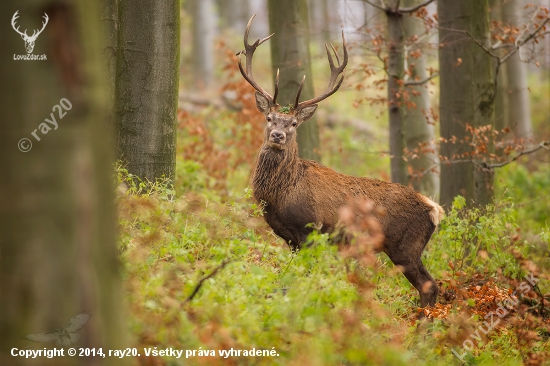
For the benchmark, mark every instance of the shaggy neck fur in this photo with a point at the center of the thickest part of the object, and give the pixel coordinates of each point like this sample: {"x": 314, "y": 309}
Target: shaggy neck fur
{"x": 276, "y": 173}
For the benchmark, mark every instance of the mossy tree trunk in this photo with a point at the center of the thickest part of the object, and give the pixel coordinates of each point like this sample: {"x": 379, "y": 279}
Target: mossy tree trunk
{"x": 58, "y": 253}
{"x": 288, "y": 19}
{"x": 466, "y": 95}
{"x": 147, "y": 86}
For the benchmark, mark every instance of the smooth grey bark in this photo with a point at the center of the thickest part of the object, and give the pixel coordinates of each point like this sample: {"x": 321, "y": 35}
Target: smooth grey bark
{"x": 234, "y": 13}
{"x": 319, "y": 20}
{"x": 466, "y": 95}
{"x": 501, "y": 110}
{"x": 517, "y": 94}
{"x": 147, "y": 87}
{"x": 417, "y": 130}
{"x": 288, "y": 19}
{"x": 395, "y": 70}
{"x": 203, "y": 30}
{"x": 58, "y": 253}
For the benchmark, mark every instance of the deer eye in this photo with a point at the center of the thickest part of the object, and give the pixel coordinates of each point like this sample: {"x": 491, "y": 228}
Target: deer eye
{"x": 294, "y": 124}
{"x": 268, "y": 118}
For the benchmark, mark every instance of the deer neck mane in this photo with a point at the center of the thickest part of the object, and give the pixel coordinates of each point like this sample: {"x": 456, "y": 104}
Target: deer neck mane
{"x": 276, "y": 172}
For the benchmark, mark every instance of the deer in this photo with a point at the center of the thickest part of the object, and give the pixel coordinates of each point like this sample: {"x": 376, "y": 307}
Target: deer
{"x": 29, "y": 40}
{"x": 296, "y": 192}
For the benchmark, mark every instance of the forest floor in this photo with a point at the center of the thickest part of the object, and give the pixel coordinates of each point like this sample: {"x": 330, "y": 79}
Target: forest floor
{"x": 203, "y": 272}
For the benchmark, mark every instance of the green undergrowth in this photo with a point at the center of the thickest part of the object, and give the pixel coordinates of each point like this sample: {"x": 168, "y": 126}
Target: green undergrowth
{"x": 206, "y": 273}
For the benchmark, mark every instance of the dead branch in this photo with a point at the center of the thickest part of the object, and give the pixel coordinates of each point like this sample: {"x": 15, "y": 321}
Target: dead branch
{"x": 542, "y": 145}
{"x": 397, "y": 9}
{"x": 481, "y": 164}
{"x": 201, "y": 281}
{"x": 420, "y": 82}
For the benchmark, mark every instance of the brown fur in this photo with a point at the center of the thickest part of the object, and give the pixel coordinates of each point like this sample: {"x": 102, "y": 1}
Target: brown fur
{"x": 297, "y": 192}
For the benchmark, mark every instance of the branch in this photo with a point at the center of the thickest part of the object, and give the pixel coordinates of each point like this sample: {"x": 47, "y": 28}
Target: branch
{"x": 376, "y": 6}
{"x": 483, "y": 165}
{"x": 542, "y": 145}
{"x": 420, "y": 82}
{"x": 482, "y": 46}
{"x": 524, "y": 41}
{"x": 416, "y": 7}
{"x": 201, "y": 281}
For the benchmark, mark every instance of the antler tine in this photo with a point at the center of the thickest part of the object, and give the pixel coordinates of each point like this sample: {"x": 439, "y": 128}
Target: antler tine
{"x": 13, "y": 20}
{"x": 46, "y": 18}
{"x": 299, "y": 92}
{"x": 276, "y": 93}
{"x": 334, "y": 83}
{"x": 249, "y": 50}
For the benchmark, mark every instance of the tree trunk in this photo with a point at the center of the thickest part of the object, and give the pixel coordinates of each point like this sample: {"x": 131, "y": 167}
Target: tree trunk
{"x": 517, "y": 101}
{"x": 57, "y": 221}
{"x": 234, "y": 13}
{"x": 501, "y": 111}
{"x": 466, "y": 95}
{"x": 288, "y": 19}
{"x": 147, "y": 87}
{"x": 395, "y": 69}
{"x": 417, "y": 129}
{"x": 203, "y": 28}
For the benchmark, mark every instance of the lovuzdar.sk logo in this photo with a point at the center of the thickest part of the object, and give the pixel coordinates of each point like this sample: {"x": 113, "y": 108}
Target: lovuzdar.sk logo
{"x": 29, "y": 40}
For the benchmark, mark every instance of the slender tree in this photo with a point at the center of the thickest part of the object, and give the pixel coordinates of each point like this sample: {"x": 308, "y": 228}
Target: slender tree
{"x": 419, "y": 132}
{"x": 395, "y": 11}
{"x": 288, "y": 19}
{"x": 501, "y": 111}
{"x": 147, "y": 86}
{"x": 203, "y": 28}
{"x": 58, "y": 255}
{"x": 516, "y": 90}
{"x": 466, "y": 95}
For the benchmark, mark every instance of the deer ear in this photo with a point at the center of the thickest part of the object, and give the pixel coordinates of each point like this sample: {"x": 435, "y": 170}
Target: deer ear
{"x": 262, "y": 103}
{"x": 306, "y": 113}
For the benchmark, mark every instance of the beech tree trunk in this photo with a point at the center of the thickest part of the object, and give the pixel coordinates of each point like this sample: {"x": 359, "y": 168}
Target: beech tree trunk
{"x": 466, "y": 95}
{"x": 517, "y": 93}
{"x": 415, "y": 121}
{"x": 501, "y": 110}
{"x": 203, "y": 29}
{"x": 58, "y": 253}
{"x": 288, "y": 19}
{"x": 395, "y": 69}
{"x": 147, "y": 87}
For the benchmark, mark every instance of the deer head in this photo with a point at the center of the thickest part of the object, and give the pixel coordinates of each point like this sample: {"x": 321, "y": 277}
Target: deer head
{"x": 29, "y": 41}
{"x": 282, "y": 122}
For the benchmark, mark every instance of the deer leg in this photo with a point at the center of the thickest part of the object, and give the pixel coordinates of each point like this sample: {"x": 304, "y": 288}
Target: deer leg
{"x": 419, "y": 277}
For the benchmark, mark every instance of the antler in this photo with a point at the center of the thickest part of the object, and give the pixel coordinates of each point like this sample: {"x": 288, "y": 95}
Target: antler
{"x": 13, "y": 19}
{"x": 333, "y": 84}
{"x": 35, "y": 34}
{"x": 249, "y": 50}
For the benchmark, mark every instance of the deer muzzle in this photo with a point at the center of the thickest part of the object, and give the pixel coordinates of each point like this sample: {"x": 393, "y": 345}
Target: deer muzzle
{"x": 278, "y": 137}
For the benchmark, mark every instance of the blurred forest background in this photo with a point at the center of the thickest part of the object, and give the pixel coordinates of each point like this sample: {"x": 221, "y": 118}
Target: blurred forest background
{"x": 449, "y": 97}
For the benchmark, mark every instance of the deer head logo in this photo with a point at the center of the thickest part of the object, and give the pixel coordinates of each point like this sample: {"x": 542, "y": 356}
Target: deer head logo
{"x": 29, "y": 40}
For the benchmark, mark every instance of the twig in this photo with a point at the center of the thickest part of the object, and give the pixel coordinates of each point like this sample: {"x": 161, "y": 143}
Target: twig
{"x": 483, "y": 165}
{"x": 416, "y": 7}
{"x": 542, "y": 145}
{"x": 420, "y": 82}
{"x": 397, "y": 9}
{"x": 482, "y": 46}
{"x": 201, "y": 281}
{"x": 531, "y": 36}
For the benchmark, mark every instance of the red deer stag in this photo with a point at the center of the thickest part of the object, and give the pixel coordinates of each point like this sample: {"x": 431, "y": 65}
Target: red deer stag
{"x": 297, "y": 192}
